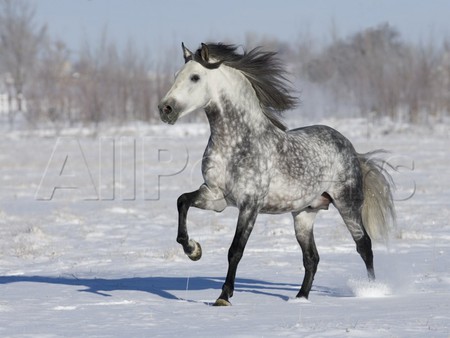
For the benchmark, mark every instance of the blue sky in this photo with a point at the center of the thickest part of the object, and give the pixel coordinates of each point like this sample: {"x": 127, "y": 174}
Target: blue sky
{"x": 156, "y": 24}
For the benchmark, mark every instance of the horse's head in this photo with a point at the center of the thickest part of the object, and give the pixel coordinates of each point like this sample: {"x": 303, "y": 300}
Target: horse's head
{"x": 190, "y": 89}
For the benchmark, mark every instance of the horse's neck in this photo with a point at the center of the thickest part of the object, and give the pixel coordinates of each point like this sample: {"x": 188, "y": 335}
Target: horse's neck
{"x": 230, "y": 120}
{"x": 236, "y": 112}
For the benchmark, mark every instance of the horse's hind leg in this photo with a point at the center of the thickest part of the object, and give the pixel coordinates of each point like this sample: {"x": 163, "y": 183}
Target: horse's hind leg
{"x": 304, "y": 222}
{"x": 350, "y": 211}
{"x": 364, "y": 248}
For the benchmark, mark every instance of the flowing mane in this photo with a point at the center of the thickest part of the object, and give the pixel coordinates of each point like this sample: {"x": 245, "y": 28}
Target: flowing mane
{"x": 265, "y": 72}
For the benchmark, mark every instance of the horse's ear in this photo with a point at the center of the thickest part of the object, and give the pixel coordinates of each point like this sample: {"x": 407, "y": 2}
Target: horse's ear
{"x": 187, "y": 54}
{"x": 204, "y": 53}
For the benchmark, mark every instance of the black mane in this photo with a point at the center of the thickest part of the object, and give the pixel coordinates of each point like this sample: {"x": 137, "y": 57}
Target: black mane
{"x": 265, "y": 72}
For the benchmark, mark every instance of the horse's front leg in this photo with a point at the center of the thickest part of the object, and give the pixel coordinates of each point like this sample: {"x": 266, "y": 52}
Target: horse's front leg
{"x": 203, "y": 198}
{"x": 246, "y": 221}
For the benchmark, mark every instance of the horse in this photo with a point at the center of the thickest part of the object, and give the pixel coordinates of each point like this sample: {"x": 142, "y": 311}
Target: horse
{"x": 254, "y": 163}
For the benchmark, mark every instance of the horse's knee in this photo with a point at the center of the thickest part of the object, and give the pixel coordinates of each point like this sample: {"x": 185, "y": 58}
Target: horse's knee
{"x": 182, "y": 201}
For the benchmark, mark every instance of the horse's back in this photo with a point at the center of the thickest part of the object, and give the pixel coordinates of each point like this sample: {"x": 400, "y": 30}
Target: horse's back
{"x": 323, "y": 136}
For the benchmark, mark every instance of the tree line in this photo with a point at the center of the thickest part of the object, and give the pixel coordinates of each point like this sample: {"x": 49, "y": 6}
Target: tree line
{"x": 372, "y": 73}
{"x": 48, "y": 83}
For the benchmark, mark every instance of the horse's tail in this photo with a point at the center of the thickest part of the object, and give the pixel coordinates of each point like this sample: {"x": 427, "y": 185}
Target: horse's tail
{"x": 378, "y": 212}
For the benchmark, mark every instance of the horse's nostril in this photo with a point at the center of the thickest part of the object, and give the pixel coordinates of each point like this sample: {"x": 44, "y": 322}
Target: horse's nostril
{"x": 167, "y": 109}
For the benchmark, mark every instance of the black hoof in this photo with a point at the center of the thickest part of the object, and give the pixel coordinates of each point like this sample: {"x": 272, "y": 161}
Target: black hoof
{"x": 222, "y": 302}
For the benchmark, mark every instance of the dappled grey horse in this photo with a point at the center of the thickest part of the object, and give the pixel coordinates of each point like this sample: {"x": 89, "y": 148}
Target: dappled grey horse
{"x": 253, "y": 163}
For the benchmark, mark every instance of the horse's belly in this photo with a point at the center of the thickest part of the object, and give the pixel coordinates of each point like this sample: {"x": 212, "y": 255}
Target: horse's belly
{"x": 289, "y": 196}
{"x": 281, "y": 203}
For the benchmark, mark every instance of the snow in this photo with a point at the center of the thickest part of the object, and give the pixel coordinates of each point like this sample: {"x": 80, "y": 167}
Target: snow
{"x": 109, "y": 266}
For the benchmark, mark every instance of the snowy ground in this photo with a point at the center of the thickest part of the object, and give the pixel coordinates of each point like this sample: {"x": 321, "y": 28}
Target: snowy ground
{"x": 102, "y": 261}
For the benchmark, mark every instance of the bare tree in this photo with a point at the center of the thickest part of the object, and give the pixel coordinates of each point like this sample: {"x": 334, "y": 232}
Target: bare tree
{"x": 51, "y": 95}
{"x": 445, "y": 76}
{"x": 114, "y": 84}
{"x": 20, "y": 40}
{"x": 376, "y": 72}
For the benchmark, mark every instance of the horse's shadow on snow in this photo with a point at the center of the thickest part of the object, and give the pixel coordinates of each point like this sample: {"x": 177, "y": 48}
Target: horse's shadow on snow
{"x": 174, "y": 288}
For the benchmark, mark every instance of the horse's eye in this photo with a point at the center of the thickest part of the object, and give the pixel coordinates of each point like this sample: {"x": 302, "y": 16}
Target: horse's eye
{"x": 195, "y": 78}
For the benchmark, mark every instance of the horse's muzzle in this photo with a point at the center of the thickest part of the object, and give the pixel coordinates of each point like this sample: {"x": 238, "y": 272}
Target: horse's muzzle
{"x": 168, "y": 111}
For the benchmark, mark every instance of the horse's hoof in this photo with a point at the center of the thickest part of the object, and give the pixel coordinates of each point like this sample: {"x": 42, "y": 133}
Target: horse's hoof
{"x": 222, "y": 302}
{"x": 196, "y": 253}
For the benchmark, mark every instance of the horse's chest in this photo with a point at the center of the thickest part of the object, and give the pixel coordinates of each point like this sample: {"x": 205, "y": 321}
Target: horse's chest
{"x": 236, "y": 172}
{"x": 214, "y": 170}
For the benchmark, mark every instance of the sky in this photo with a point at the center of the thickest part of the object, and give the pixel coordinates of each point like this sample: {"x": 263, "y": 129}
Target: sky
{"x": 161, "y": 24}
